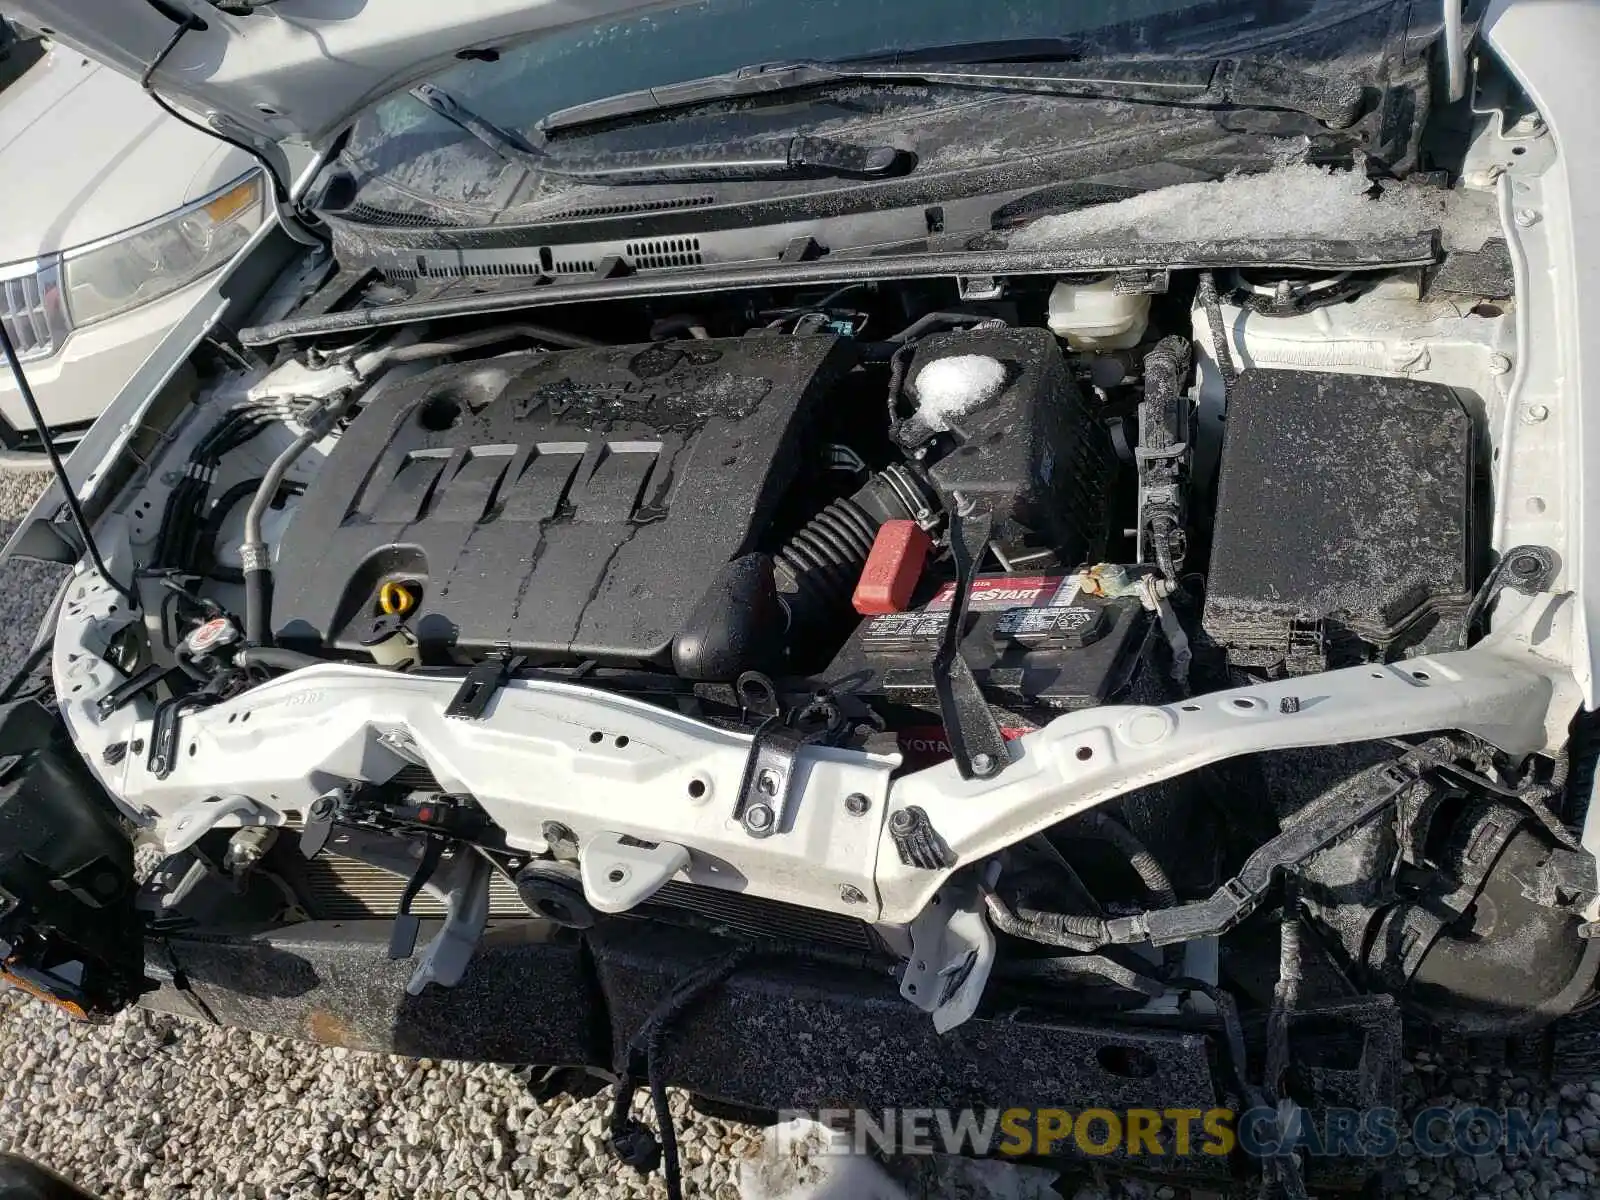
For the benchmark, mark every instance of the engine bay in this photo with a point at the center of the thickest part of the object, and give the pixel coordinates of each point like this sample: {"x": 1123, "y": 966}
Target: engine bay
{"x": 678, "y": 513}
{"x": 1088, "y": 609}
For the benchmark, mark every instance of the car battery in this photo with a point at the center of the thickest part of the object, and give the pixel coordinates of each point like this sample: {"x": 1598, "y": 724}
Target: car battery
{"x": 1037, "y": 645}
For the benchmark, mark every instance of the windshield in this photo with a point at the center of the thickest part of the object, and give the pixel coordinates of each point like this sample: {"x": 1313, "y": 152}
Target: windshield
{"x": 688, "y": 41}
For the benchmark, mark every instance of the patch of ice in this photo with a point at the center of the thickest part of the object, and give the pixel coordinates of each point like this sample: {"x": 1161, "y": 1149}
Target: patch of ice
{"x": 1293, "y": 200}
{"x": 949, "y": 387}
{"x": 805, "y": 1160}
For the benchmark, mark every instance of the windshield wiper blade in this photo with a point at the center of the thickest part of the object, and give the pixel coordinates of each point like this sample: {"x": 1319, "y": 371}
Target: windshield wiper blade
{"x": 1184, "y": 83}
{"x": 763, "y": 158}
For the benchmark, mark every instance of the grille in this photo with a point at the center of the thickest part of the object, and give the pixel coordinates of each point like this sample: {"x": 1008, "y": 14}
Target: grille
{"x": 415, "y": 779}
{"x": 27, "y": 303}
{"x": 635, "y": 206}
{"x": 371, "y": 214}
{"x": 664, "y": 252}
{"x": 337, "y": 888}
{"x": 346, "y": 889}
{"x": 462, "y": 270}
{"x": 769, "y": 918}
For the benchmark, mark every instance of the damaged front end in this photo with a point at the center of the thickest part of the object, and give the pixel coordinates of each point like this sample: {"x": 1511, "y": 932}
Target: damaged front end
{"x": 1027, "y": 657}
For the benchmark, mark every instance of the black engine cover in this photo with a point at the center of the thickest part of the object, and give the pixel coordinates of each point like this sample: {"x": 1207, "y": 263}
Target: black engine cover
{"x": 563, "y": 505}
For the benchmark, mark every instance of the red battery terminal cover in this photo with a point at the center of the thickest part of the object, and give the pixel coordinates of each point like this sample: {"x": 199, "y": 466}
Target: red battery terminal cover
{"x": 893, "y": 568}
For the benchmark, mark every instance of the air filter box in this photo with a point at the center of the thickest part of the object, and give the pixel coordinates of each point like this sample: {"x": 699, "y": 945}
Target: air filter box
{"x": 1032, "y": 454}
{"x": 1344, "y": 520}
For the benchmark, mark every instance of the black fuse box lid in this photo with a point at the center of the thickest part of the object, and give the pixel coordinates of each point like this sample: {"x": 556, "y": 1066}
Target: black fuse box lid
{"x": 1344, "y": 516}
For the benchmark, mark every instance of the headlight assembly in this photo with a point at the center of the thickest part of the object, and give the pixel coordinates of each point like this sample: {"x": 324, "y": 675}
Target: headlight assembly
{"x": 144, "y": 264}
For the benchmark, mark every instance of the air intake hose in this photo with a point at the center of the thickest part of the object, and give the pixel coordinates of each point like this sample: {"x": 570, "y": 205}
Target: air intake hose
{"x": 759, "y": 606}
{"x": 818, "y": 568}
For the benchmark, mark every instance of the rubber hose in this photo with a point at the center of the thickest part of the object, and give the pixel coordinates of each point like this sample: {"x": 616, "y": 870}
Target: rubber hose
{"x": 253, "y": 550}
{"x": 274, "y": 656}
{"x": 1069, "y": 931}
{"x": 817, "y": 569}
{"x": 257, "y": 605}
{"x": 1162, "y": 530}
{"x": 936, "y": 320}
{"x": 368, "y": 365}
{"x": 1107, "y": 828}
{"x": 189, "y": 667}
{"x": 205, "y": 547}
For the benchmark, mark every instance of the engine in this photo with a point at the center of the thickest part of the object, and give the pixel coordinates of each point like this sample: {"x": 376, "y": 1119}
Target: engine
{"x": 605, "y": 504}
{"x": 563, "y": 506}
{"x": 758, "y": 536}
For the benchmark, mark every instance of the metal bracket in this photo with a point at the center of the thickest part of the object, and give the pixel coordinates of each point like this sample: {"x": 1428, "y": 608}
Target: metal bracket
{"x": 447, "y": 956}
{"x": 952, "y": 953}
{"x": 478, "y": 688}
{"x": 130, "y": 687}
{"x": 164, "y": 732}
{"x": 1566, "y": 881}
{"x": 768, "y": 779}
{"x": 980, "y": 287}
{"x": 976, "y": 743}
{"x": 620, "y": 873}
{"x": 403, "y": 935}
{"x": 320, "y": 817}
{"x": 916, "y": 841}
{"x": 193, "y": 821}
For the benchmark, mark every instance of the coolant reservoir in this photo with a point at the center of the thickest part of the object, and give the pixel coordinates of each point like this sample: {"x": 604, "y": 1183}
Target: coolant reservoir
{"x": 1094, "y": 316}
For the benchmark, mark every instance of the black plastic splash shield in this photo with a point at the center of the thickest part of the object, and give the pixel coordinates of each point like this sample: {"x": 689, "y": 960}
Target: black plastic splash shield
{"x": 779, "y": 1034}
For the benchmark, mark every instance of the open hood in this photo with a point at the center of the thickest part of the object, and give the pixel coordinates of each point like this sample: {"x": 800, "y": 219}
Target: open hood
{"x": 294, "y": 70}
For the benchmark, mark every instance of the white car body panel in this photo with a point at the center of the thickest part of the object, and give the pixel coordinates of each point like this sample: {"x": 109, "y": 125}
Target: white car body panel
{"x": 89, "y": 156}
{"x": 94, "y": 156}
{"x": 297, "y": 69}
{"x": 1549, "y": 47}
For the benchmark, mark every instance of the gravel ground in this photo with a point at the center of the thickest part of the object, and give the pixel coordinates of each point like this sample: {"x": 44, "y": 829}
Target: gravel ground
{"x": 150, "y": 1106}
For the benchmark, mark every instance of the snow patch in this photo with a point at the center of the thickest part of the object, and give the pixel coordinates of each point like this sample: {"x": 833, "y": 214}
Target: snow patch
{"x": 805, "y": 1160}
{"x": 948, "y": 388}
{"x": 1293, "y": 200}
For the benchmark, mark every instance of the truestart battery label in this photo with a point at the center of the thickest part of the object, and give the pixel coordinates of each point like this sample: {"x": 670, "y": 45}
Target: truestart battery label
{"x": 1010, "y": 591}
{"x": 1028, "y": 608}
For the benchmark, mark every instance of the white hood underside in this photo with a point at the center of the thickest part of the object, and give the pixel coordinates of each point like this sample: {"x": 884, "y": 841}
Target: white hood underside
{"x": 296, "y": 70}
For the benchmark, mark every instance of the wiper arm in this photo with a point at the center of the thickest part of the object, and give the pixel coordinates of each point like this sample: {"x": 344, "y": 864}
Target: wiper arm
{"x": 1211, "y": 83}
{"x": 764, "y": 158}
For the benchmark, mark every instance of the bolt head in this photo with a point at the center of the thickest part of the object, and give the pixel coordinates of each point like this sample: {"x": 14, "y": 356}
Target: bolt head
{"x": 983, "y": 764}
{"x": 1499, "y": 364}
{"x": 851, "y": 894}
{"x": 1524, "y": 565}
{"x": 758, "y": 817}
{"x": 1536, "y": 413}
{"x": 1525, "y": 217}
{"x": 901, "y": 821}
{"x": 856, "y": 804}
